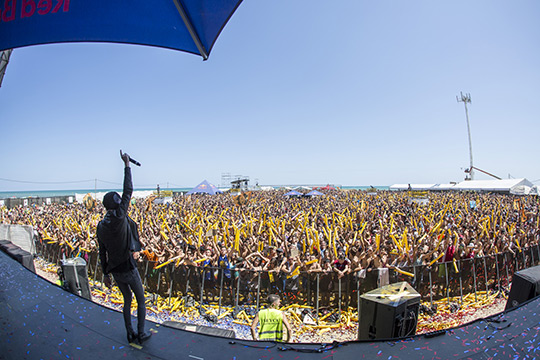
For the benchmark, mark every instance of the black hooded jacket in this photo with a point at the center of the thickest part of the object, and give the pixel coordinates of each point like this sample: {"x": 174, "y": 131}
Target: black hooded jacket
{"x": 117, "y": 234}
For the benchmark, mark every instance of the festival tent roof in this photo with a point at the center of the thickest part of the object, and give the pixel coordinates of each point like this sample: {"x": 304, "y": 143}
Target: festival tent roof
{"x": 293, "y": 193}
{"x": 314, "y": 193}
{"x": 204, "y": 188}
{"x": 412, "y": 186}
{"x": 187, "y": 25}
{"x": 517, "y": 186}
{"x": 504, "y": 185}
{"x": 443, "y": 187}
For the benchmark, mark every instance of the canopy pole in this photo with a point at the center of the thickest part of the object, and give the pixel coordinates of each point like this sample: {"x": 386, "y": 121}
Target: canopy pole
{"x": 4, "y": 60}
{"x": 191, "y": 29}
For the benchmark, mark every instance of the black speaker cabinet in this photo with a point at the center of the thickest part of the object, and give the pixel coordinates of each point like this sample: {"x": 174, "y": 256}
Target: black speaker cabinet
{"x": 201, "y": 329}
{"x": 76, "y": 277}
{"x": 388, "y": 312}
{"x": 525, "y": 286}
{"x": 18, "y": 254}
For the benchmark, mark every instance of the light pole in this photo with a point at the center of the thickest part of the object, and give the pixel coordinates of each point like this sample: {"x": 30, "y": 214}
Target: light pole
{"x": 467, "y": 99}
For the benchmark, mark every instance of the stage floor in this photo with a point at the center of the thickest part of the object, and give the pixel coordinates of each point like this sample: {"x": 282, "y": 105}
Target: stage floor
{"x": 41, "y": 321}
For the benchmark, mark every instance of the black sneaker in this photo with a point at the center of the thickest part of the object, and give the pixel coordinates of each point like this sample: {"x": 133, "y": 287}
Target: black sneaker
{"x": 132, "y": 336}
{"x": 144, "y": 336}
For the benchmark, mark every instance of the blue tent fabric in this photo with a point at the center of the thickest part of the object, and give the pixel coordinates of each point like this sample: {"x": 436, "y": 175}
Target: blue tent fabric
{"x": 204, "y": 188}
{"x": 314, "y": 193}
{"x": 293, "y": 193}
{"x": 156, "y": 23}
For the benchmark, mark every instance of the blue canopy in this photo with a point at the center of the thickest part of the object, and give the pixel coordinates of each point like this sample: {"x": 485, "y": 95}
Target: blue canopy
{"x": 314, "y": 193}
{"x": 293, "y": 193}
{"x": 187, "y": 25}
{"x": 205, "y": 188}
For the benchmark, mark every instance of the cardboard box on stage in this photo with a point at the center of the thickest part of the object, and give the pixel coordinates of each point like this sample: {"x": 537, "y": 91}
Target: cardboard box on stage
{"x": 388, "y": 312}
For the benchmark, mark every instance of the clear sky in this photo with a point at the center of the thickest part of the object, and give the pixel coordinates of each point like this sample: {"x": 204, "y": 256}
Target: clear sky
{"x": 348, "y": 92}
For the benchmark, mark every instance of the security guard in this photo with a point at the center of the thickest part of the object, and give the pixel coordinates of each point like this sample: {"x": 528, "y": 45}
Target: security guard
{"x": 272, "y": 321}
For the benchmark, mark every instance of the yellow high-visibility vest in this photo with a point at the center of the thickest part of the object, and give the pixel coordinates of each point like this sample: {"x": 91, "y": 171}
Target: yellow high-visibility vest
{"x": 271, "y": 325}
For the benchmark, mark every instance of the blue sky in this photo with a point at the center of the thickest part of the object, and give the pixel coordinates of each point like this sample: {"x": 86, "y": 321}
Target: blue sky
{"x": 347, "y": 92}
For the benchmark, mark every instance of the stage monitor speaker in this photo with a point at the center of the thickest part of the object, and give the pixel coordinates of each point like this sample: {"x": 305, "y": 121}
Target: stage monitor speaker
{"x": 201, "y": 329}
{"x": 18, "y": 254}
{"x": 76, "y": 277}
{"x": 388, "y": 312}
{"x": 525, "y": 286}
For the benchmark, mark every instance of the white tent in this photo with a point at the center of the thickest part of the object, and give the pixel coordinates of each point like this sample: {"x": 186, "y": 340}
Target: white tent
{"x": 513, "y": 186}
{"x": 443, "y": 187}
{"x": 505, "y": 185}
{"x": 412, "y": 186}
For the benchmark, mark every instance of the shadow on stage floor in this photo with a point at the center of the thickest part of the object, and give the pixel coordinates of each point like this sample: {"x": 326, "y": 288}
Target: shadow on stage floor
{"x": 41, "y": 321}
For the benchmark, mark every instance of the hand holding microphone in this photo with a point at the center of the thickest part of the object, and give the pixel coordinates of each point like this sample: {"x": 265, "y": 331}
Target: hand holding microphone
{"x": 127, "y": 159}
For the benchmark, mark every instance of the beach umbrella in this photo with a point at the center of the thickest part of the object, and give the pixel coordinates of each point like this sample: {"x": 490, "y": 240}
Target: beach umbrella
{"x": 187, "y": 25}
{"x": 314, "y": 193}
{"x": 293, "y": 193}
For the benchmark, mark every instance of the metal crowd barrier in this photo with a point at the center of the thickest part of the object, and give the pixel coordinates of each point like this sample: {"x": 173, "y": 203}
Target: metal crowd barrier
{"x": 235, "y": 287}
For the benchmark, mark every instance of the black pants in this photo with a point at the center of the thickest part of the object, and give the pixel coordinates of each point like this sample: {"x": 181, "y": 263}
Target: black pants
{"x": 131, "y": 281}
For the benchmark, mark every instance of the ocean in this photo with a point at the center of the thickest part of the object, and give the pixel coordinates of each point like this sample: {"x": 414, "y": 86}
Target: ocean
{"x": 136, "y": 193}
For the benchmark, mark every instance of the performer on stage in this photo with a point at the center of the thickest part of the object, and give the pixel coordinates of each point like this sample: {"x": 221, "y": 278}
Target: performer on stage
{"x": 118, "y": 240}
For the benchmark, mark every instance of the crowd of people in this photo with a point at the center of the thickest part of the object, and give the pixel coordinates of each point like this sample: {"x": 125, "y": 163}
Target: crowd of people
{"x": 342, "y": 231}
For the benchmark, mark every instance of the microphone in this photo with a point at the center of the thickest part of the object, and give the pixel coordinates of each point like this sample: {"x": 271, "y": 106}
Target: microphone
{"x": 133, "y": 161}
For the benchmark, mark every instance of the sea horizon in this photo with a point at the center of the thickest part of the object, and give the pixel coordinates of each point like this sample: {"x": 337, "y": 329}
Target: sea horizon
{"x": 73, "y": 192}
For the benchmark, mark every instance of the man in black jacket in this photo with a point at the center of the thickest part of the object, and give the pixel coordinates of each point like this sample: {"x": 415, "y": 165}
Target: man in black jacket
{"x": 118, "y": 240}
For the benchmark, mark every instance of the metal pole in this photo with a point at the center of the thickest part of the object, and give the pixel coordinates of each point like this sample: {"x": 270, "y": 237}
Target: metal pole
{"x": 498, "y": 277}
{"x": 430, "y": 290}
{"x": 339, "y": 294}
{"x": 158, "y": 285}
{"x": 202, "y": 286}
{"x": 145, "y": 273}
{"x": 467, "y": 99}
{"x": 220, "y": 292}
{"x": 486, "y": 274}
{"x": 460, "y": 282}
{"x": 474, "y": 277}
{"x": 538, "y": 250}
{"x": 317, "y": 302}
{"x": 187, "y": 282}
{"x": 447, "y": 286}
{"x": 171, "y": 286}
{"x": 258, "y": 289}
{"x": 237, "y": 290}
{"x": 358, "y": 299}
{"x": 506, "y": 266}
